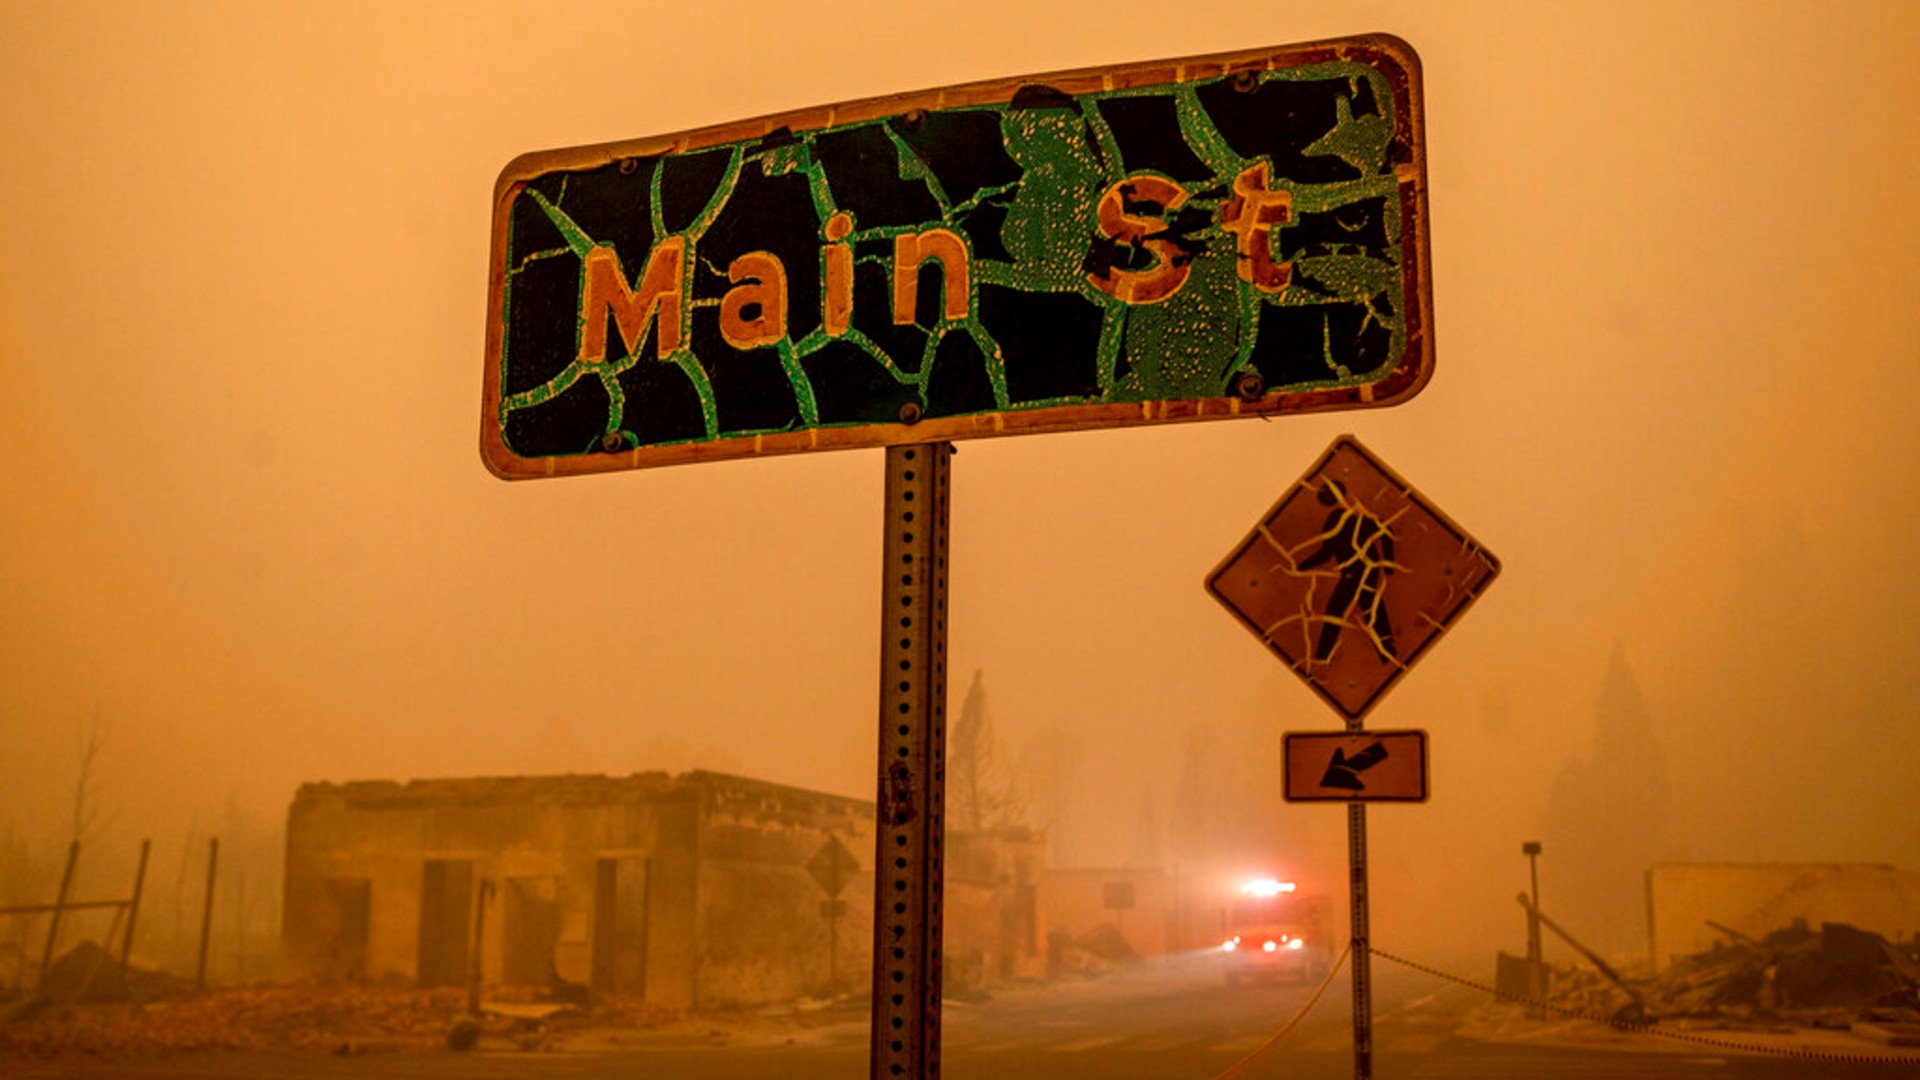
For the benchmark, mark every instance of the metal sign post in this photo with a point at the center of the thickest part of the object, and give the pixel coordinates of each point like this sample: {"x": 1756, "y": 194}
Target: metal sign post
{"x": 832, "y": 867}
{"x": 1362, "y": 964}
{"x": 909, "y": 838}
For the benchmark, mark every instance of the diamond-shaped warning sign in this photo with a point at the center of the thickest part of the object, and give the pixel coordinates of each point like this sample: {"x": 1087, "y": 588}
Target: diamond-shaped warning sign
{"x": 1351, "y": 577}
{"x": 833, "y": 866}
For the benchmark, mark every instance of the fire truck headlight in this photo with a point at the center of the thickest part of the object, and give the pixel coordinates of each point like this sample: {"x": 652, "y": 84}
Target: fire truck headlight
{"x": 1296, "y": 943}
{"x": 1269, "y": 946}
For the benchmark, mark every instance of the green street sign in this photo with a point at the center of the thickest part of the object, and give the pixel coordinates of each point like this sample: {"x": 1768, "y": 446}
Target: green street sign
{"x": 1234, "y": 235}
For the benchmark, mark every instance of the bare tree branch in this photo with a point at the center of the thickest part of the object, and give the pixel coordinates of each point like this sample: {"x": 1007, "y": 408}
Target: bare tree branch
{"x": 90, "y": 739}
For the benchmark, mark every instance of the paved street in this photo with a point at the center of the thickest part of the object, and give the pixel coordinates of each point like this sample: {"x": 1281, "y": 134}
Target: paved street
{"x": 1174, "y": 1022}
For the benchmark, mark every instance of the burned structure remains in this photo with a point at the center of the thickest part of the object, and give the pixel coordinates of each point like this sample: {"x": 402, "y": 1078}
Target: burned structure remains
{"x": 697, "y": 890}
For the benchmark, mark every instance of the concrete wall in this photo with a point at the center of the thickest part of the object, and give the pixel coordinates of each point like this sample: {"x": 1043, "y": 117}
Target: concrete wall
{"x": 544, "y": 834}
{"x": 1758, "y": 898}
{"x": 768, "y": 929}
{"x": 1139, "y": 903}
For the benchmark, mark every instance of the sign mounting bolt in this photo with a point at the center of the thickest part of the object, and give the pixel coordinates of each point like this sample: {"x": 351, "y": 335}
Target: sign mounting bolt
{"x": 910, "y": 413}
{"x": 1249, "y": 385}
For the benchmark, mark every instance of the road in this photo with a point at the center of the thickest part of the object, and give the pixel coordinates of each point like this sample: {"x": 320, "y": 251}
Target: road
{"x": 1176, "y": 1021}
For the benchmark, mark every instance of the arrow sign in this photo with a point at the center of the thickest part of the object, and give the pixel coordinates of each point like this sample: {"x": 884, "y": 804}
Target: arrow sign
{"x": 1363, "y": 766}
{"x": 1344, "y": 772}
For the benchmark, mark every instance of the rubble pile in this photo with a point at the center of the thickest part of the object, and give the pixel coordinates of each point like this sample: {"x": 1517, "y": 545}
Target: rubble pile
{"x": 1585, "y": 991}
{"x": 86, "y": 973}
{"x": 1831, "y": 977}
{"x": 86, "y": 1010}
{"x": 1094, "y": 952}
{"x": 333, "y": 1019}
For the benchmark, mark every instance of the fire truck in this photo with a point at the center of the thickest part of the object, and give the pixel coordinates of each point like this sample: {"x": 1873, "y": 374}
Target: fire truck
{"x": 1276, "y": 932}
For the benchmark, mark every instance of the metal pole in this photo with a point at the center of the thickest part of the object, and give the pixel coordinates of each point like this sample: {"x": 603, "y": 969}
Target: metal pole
{"x": 1604, "y": 968}
{"x": 909, "y": 837}
{"x": 1536, "y": 958}
{"x": 240, "y": 925}
{"x": 133, "y": 907}
{"x": 20, "y": 959}
{"x": 59, "y": 905}
{"x": 206, "y": 914}
{"x": 1362, "y": 965}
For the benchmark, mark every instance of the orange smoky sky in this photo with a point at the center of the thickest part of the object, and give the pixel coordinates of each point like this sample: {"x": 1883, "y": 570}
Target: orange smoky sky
{"x": 245, "y": 532}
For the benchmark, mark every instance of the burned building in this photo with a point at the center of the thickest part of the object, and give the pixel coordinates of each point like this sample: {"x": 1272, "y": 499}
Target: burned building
{"x": 991, "y": 906}
{"x": 1692, "y": 907}
{"x": 682, "y": 890}
{"x": 694, "y": 890}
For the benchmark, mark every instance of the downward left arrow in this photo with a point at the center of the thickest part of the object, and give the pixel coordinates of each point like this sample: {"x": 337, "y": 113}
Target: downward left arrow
{"x": 1343, "y": 772}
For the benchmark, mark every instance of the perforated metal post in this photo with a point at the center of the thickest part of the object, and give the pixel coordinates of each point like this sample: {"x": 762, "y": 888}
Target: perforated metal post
{"x": 909, "y": 836}
{"x": 1362, "y": 958}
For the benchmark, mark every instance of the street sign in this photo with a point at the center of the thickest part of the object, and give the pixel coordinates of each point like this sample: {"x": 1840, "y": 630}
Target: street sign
{"x": 1351, "y": 577}
{"x": 833, "y": 866}
{"x": 1232, "y": 235}
{"x": 1355, "y": 766}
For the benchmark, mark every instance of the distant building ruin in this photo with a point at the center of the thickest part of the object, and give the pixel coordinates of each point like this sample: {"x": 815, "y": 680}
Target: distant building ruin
{"x": 1685, "y": 901}
{"x": 694, "y": 890}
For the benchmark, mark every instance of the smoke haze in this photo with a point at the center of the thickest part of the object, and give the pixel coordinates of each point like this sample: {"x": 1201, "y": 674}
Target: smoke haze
{"x": 245, "y": 532}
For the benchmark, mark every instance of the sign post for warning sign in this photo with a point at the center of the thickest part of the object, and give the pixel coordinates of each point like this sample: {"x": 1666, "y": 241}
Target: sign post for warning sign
{"x": 1243, "y": 234}
{"x": 1349, "y": 579}
{"x": 831, "y": 868}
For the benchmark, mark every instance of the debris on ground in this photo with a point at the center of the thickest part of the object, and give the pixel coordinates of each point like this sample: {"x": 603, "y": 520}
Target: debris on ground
{"x": 85, "y": 973}
{"x": 464, "y": 1034}
{"x": 1095, "y": 952}
{"x": 88, "y": 974}
{"x": 1106, "y": 942}
{"x": 535, "y": 1010}
{"x": 338, "y": 1019}
{"x": 1889, "y": 1034}
{"x": 1837, "y": 977}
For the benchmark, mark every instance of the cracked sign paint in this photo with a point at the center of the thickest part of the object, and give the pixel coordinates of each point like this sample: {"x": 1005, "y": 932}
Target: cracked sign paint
{"x": 1232, "y": 235}
{"x": 1351, "y": 577}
